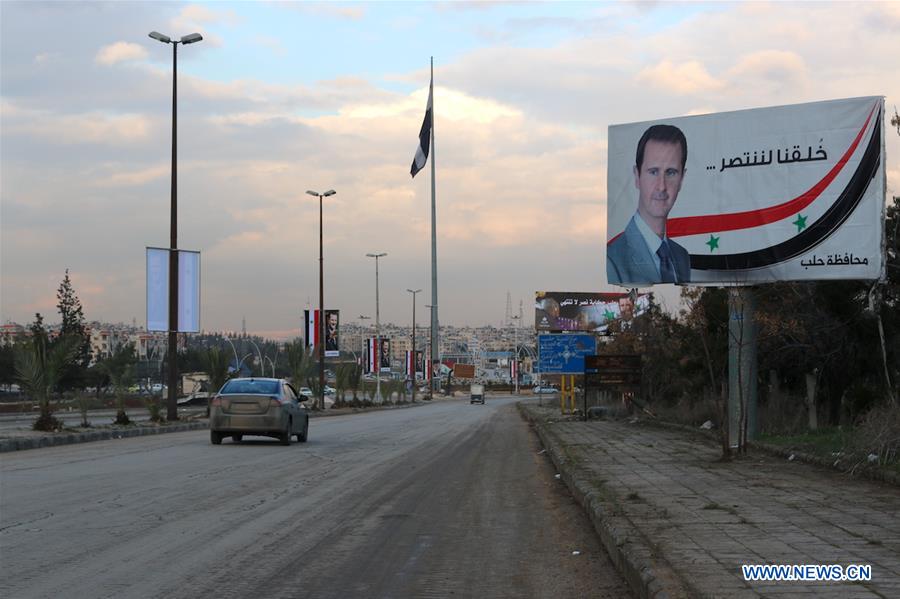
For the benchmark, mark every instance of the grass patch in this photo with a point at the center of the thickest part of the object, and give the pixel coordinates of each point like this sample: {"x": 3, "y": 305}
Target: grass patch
{"x": 823, "y": 442}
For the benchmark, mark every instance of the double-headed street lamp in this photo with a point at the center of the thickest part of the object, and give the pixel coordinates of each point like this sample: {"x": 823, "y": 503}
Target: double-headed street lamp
{"x": 321, "y": 335}
{"x": 172, "y": 405}
{"x": 414, "y": 343}
{"x": 377, "y": 328}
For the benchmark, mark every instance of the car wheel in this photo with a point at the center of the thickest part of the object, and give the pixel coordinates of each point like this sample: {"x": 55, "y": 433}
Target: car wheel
{"x": 215, "y": 437}
{"x": 301, "y": 437}
{"x": 237, "y": 438}
{"x": 285, "y": 436}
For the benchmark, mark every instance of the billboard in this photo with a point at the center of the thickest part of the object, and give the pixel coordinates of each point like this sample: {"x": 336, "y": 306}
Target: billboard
{"x": 786, "y": 193}
{"x": 587, "y": 312}
{"x": 158, "y": 290}
{"x": 620, "y": 371}
{"x": 564, "y": 354}
{"x": 332, "y": 330}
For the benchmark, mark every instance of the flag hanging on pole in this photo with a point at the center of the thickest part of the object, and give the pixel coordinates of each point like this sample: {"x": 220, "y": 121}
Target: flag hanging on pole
{"x": 424, "y": 137}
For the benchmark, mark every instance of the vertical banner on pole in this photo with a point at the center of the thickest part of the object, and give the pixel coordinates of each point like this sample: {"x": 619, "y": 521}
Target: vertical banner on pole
{"x": 158, "y": 290}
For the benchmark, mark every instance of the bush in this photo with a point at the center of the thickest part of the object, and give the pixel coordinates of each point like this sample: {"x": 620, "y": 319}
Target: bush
{"x": 154, "y": 406}
{"x": 878, "y": 435}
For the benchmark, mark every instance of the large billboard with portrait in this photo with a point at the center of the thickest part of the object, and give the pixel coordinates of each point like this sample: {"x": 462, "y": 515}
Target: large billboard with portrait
{"x": 785, "y": 193}
{"x": 556, "y": 311}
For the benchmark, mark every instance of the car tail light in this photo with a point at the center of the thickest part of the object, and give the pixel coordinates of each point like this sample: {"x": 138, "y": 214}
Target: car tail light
{"x": 274, "y": 402}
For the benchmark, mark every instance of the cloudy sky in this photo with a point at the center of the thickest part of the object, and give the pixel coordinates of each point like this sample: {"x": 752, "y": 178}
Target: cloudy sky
{"x": 281, "y": 97}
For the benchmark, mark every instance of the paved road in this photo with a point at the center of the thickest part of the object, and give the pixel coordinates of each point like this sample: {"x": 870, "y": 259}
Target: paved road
{"x": 439, "y": 500}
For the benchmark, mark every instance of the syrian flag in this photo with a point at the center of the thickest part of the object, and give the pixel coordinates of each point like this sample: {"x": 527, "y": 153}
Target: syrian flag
{"x": 424, "y": 137}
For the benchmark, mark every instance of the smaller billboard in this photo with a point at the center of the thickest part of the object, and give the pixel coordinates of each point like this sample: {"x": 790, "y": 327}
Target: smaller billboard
{"x": 464, "y": 371}
{"x": 564, "y": 354}
{"x": 557, "y": 311}
{"x": 621, "y": 371}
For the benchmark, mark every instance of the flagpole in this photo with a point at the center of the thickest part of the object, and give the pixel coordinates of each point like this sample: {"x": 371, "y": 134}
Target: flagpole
{"x": 435, "y": 331}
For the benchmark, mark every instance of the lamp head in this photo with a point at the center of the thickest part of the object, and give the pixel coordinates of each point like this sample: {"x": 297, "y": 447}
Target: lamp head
{"x": 191, "y": 38}
{"x": 160, "y": 37}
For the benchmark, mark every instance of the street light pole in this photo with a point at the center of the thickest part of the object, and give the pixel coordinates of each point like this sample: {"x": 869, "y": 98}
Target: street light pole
{"x": 171, "y": 404}
{"x": 377, "y": 327}
{"x": 233, "y": 351}
{"x": 516, "y": 351}
{"x": 321, "y": 335}
{"x": 429, "y": 374}
{"x": 414, "y": 343}
{"x": 362, "y": 336}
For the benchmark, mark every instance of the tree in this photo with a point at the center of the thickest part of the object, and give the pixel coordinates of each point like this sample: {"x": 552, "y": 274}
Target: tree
{"x": 217, "y": 371}
{"x": 302, "y": 366}
{"x": 120, "y": 369}
{"x": 7, "y": 366}
{"x": 72, "y": 316}
{"x": 39, "y": 366}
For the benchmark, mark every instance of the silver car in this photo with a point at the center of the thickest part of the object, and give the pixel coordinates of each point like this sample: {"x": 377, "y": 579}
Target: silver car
{"x": 257, "y": 406}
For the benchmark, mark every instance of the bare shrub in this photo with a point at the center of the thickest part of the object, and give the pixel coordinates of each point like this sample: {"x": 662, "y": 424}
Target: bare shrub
{"x": 876, "y": 438}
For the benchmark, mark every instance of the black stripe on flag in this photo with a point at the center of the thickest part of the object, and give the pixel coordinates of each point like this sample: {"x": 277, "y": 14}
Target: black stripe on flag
{"x": 424, "y": 139}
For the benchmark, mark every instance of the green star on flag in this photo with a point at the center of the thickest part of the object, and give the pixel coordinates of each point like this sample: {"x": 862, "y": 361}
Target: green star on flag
{"x": 609, "y": 315}
{"x": 800, "y": 222}
{"x": 713, "y": 242}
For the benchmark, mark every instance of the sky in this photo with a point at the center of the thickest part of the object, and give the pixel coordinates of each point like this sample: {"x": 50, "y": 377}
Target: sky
{"x": 284, "y": 97}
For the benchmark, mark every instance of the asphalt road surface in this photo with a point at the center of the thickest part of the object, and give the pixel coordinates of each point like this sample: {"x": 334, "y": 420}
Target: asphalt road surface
{"x": 448, "y": 499}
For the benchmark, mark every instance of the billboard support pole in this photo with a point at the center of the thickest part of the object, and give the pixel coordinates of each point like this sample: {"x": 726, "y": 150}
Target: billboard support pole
{"x": 742, "y": 368}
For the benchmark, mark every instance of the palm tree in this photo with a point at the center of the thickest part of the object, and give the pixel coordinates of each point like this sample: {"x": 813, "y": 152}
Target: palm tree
{"x": 217, "y": 371}
{"x": 39, "y": 367}
{"x": 354, "y": 380}
{"x": 302, "y": 366}
{"x": 120, "y": 369}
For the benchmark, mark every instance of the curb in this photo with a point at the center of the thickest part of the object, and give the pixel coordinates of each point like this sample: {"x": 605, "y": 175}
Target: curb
{"x": 57, "y": 439}
{"x": 632, "y": 555}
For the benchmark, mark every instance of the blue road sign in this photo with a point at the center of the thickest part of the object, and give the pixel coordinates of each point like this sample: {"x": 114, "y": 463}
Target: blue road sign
{"x": 564, "y": 354}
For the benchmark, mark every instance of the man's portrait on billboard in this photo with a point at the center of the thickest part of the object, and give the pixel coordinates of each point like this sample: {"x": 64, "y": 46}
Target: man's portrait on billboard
{"x": 643, "y": 253}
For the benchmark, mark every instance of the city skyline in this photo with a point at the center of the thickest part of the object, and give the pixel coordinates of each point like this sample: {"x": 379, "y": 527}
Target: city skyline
{"x": 283, "y": 97}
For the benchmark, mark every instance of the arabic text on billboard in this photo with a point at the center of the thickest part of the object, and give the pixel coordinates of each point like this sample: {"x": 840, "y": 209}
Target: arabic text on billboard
{"x": 773, "y": 194}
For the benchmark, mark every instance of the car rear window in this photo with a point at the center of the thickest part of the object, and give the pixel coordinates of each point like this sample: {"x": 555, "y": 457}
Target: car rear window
{"x": 251, "y": 387}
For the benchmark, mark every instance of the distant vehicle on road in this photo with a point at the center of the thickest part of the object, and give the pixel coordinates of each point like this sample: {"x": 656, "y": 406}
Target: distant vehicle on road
{"x": 476, "y": 393}
{"x": 306, "y": 392}
{"x": 539, "y": 389}
{"x": 257, "y": 406}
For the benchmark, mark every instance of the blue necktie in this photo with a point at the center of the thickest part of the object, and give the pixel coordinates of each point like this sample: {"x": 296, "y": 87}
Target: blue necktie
{"x": 666, "y": 268}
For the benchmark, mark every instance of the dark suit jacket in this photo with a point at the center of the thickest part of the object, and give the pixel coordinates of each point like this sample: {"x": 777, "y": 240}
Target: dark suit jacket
{"x": 628, "y": 260}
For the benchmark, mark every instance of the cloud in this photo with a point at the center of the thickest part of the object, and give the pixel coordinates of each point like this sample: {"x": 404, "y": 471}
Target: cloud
{"x": 775, "y": 67}
{"x": 690, "y": 77}
{"x": 116, "y": 175}
{"x": 120, "y": 52}
{"x": 90, "y": 127}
